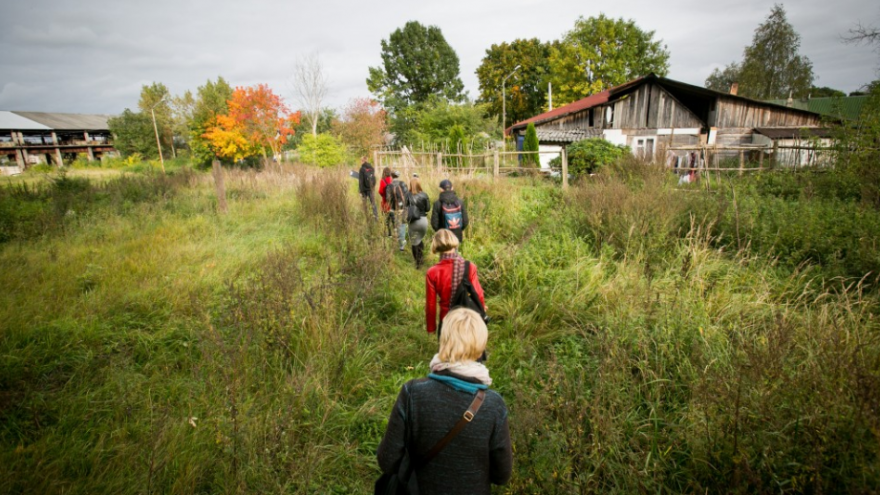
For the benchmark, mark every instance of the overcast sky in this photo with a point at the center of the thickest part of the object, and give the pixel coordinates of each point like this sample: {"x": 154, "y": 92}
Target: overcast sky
{"x": 94, "y": 56}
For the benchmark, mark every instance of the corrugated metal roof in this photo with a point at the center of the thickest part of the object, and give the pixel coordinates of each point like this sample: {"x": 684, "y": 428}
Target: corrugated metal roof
{"x": 849, "y": 107}
{"x": 566, "y": 135}
{"x": 68, "y": 121}
{"x": 793, "y": 132}
{"x": 10, "y": 121}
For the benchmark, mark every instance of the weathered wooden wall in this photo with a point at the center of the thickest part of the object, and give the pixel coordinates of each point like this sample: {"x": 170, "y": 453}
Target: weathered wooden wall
{"x": 650, "y": 106}
{"x": 739, "y": 113}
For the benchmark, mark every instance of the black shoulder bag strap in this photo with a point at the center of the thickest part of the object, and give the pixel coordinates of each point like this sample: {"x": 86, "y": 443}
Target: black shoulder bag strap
{"x": 466, "y": 418}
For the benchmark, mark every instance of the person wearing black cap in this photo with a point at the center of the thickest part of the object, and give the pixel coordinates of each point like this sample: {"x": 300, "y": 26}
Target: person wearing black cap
{"x": 449, "y": 212}
{"x": 366, "y": 184}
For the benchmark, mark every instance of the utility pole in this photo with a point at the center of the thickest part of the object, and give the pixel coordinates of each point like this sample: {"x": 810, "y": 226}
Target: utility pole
{"x": 504, "y": 103}
{"x": 156, "y": 130}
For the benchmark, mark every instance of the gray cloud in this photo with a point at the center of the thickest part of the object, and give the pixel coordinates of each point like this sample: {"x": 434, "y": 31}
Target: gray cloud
{"x": 93, "y": 57}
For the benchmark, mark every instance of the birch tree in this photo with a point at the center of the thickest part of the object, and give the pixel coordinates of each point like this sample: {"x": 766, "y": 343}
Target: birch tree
{"x": 310, "y": 87}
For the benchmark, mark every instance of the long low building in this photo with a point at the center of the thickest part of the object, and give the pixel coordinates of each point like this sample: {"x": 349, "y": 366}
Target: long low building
{"x": 30, "y": 138}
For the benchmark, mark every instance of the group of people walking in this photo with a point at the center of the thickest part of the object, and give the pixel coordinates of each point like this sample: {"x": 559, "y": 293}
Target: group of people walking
{"x": 448, "y": 432}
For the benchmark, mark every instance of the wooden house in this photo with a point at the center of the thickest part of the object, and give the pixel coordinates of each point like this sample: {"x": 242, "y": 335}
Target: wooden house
{"x": 652, "y": 113}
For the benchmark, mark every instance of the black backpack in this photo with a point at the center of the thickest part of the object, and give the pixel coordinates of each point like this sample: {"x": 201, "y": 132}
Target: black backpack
{"x": 412, "y": 209}
{"x": 369, "y": 177}
{"x": 466, "y": 296}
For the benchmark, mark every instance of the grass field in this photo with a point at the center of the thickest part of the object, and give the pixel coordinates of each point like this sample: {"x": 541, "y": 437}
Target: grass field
{"x": 646, "y": 338}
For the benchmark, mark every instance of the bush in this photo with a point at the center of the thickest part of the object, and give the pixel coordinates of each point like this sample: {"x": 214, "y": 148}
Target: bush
{"x": 531, "y": 144}
{"x": 323, "y": 150}
{"x": 590, "y": 155}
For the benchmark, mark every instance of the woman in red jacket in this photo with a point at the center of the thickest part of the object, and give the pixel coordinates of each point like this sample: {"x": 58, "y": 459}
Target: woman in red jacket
{"x": 386, "y": 208}
{"x": 443, "y": 278}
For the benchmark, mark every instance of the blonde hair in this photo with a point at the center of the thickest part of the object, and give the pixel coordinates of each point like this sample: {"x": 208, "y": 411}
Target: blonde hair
{"x": 463, "y": 336}
{"x": 444, "y": 240}
{"x": 415, "y": 186}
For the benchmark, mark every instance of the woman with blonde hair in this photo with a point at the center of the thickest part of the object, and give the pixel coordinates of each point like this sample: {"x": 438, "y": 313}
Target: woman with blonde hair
{"x": 422, "y": 446}
{"x": 418, "y": 227}
{"x": 443, "y": 279}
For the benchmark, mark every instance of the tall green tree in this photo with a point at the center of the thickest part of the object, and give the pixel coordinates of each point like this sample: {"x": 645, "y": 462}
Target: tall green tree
{"x": 133, "y": 133}
{"x": 771, "y": 68}
{"x": 156, "y": 98}
{"x": 417, "y": 64}
{"x": 723, "y": 79}
{"x": 601, "y": 52}
{"x": 530, "y": 143}
{"x": 526, "y": 90}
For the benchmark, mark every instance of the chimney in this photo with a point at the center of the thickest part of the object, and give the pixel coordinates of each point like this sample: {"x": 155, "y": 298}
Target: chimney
{"x": 734, "y": 87}
{"x": 789, "y": 102}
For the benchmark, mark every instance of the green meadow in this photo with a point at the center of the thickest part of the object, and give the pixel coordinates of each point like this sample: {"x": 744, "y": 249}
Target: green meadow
{"x": 721, "y": 337}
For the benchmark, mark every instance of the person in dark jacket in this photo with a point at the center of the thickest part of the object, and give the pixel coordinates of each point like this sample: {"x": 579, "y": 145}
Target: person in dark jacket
{"x": 428, "y": 408}
{"x": 386, "y": 208}
{"x": 366, "y": 184}
{"x": 443, "y": 278}
{"x": 397, "y": 198}
{"x": 449, "y": 212}
{"x": 418, "y": 227}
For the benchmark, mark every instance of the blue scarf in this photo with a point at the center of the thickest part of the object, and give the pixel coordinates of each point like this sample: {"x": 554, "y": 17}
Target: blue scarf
{"x": 459, "y": 384}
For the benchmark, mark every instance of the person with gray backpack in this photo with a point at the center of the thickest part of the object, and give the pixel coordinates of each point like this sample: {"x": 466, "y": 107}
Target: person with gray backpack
{"x": 397, "y": 198}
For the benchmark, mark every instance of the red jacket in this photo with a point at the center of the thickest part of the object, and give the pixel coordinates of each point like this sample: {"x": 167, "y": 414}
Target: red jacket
{"x": 382, "y": 185}
{"x": 438, "y": 283}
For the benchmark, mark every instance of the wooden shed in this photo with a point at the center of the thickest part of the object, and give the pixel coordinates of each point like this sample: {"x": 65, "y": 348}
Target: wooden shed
{"x": 652, "y": 112}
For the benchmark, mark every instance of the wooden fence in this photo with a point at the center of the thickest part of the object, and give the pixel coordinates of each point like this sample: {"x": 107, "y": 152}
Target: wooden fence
{"x": 494, "y": 163}
{"x": 751, "y": 158}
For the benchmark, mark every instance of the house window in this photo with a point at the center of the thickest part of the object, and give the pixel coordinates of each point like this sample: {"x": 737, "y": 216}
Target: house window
{"x": 643, "y": 147}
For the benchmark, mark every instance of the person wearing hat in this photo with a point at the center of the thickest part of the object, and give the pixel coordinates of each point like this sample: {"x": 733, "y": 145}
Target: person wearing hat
{"x": 449, "y": 212}
{"x": 397, "y": 198}
{"x": 366, "y": 184}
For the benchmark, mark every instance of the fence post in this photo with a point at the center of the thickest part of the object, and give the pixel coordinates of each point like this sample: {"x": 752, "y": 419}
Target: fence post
{"x": 775, "y": 162}
{"x": 439, "y": 162}
{"x": 219, "y": 186}
{"x": 742, "y": 161}
{"x": 496, "y": 165}
{"x": 564, "y": 170}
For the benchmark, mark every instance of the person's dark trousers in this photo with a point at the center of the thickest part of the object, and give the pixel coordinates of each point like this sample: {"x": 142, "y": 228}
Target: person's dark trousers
{"x": 418, "y": 253}
{"x": 369, "y": 197}
{"x": 389, "y": 223}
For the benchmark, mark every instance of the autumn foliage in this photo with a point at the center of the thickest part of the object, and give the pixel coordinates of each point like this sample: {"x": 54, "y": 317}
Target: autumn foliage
{"x": 362, "y": 125}
{"x": 257, "y": 120}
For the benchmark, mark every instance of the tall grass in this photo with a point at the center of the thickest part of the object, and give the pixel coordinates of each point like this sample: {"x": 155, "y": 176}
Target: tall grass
{"x": 646, "y": 338}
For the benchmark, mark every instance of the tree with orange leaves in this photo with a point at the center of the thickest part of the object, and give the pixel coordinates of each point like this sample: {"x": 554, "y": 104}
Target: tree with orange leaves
{"x": 257, "y": 120}
{"x": 227, "y": 140}
{"x": 362, "y": 125}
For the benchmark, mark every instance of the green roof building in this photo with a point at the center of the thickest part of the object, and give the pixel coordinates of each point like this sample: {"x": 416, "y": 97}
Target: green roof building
{"x": 847, "y": 107}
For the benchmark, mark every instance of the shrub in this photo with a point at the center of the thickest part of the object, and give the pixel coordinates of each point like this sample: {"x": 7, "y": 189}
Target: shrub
{"x": 323, "y": 150}
{"x": 530, "y": 144}
{"x": 590, "y": 155}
